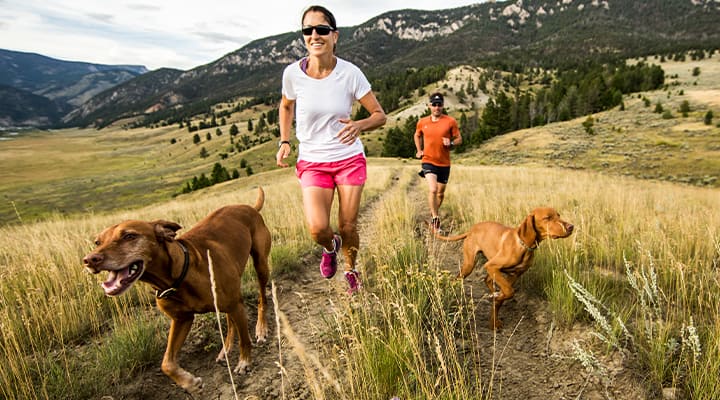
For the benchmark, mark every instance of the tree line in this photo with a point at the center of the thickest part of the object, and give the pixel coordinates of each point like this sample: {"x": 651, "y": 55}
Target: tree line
{"x": 571, "y": 93}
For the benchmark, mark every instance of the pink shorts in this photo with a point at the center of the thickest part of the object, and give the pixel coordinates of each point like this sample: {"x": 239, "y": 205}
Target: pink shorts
{"x": 350, "y": 171}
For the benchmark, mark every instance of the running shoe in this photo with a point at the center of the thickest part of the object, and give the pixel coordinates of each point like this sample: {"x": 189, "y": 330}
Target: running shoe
{"x": 328, "y": 263}
{"x": 435, "y": 224}
{"x": 353, "y": 279}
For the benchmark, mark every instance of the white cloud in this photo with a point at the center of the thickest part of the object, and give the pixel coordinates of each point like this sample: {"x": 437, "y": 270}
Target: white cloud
{"x": 179, "y": 34}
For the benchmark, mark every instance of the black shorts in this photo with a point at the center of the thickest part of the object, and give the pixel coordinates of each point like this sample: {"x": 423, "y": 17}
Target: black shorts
{"x": 442, "y": 173}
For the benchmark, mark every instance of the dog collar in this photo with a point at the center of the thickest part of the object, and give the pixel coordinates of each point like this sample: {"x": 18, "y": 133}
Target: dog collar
{"x": 173, "y": 288}
{"x": 528, "y": 248}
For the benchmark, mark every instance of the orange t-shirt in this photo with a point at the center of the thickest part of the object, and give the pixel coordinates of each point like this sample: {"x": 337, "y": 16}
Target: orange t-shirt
{"x": 432, "y": 132}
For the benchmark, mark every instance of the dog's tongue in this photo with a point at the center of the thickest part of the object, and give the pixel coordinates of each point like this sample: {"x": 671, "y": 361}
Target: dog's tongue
{"x": 114, "y": 281}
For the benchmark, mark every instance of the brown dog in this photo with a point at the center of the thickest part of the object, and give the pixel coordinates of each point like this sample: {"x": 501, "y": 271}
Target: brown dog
{"x": 509, "y": 251}
{"x": 177, "y": 269}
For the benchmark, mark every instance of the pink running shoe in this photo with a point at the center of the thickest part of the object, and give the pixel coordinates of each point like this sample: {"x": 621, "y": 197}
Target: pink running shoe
{"x": 353, "y": 278}
{"x": 328, "y": 264}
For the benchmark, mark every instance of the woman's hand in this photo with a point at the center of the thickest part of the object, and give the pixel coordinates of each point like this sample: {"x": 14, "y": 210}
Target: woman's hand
{"x": 349, "y": 133}
{"x": 282, "y": 154}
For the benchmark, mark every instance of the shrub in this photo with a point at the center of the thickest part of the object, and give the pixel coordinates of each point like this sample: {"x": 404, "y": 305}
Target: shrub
{"x": 588, "y": 125}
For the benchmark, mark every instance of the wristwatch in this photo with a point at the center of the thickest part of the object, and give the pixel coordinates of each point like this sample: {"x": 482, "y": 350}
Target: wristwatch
{"x": 280, "y": 143}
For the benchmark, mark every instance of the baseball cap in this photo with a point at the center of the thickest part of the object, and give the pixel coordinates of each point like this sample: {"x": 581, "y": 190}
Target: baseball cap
{"x": 436, "y": 98}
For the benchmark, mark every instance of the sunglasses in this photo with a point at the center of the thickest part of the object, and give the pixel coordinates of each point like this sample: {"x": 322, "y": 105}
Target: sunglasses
{"x": 321, "y": 30}
{"x": 436, "y": 104}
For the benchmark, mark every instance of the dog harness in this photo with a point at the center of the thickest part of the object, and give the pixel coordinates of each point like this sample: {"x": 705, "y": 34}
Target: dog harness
{"x": 173, "y": 288}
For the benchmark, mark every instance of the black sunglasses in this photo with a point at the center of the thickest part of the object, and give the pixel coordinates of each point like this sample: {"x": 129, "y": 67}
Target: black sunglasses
{"x": 436, "y": 104}
{"x": 321, "y": 30}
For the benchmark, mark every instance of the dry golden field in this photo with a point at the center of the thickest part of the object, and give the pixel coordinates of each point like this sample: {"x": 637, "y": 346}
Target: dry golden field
{"x": 625, "y": 308}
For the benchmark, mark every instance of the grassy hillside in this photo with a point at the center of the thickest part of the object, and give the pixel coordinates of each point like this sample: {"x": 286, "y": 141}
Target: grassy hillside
{"x": 627, "y": 307}
{"x": 75, "y": 171}
{"x": 637, "y": 141}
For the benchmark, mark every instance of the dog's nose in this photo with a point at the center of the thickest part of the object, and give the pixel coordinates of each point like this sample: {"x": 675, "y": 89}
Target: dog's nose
{"x": 570, "y": 228}
{"x": 92, "y": 259}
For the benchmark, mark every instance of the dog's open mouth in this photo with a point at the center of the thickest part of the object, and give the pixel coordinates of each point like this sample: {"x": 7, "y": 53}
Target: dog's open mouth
{"x": 119, "y": 281}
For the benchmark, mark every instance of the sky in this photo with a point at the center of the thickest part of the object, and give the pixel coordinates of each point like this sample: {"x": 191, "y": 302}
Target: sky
{"x": 180, "y": 34}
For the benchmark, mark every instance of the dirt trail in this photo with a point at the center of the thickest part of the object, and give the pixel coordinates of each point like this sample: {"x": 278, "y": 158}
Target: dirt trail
{"x": 528, "y": 359}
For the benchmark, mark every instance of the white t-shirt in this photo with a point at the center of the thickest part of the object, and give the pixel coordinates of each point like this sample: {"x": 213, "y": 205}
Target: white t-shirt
{"x": 319, "y": 105}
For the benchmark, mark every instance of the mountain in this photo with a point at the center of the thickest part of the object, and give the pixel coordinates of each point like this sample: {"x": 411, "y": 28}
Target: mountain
{"x": 22, "y": 108}
{"x": 523, "y": 33}
{"x": 508, "y": 35}
{"x": 64, "y": 84}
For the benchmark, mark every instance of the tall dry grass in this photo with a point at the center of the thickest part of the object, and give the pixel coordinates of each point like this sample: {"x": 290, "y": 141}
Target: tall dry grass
{"x": 641, "y": 269}
{"x": 49, "y": 306}
{"x": 642, "y": 264}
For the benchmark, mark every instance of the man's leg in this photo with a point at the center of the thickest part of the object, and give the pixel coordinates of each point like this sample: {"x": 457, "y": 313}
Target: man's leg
{"x": 432, "y": 193}
{"x": 440, "y": 195}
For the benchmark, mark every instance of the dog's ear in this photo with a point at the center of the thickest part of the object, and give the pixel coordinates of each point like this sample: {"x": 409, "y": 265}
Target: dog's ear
{"x": 527, "y": 230}
{"x": 165, "y": 231}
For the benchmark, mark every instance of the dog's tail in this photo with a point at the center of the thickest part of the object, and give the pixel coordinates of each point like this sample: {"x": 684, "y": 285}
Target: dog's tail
{"x": 260, "y": 199}
{"x": 452, "y": 238}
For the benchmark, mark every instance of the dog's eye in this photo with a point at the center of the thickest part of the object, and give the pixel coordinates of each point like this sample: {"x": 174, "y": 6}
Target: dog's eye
{"x": 129, "y": 236}
{"x": 98, "y": 243}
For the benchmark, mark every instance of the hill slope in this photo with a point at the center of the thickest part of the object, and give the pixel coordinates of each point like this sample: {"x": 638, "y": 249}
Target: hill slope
{"x": 638, "y": 141}
{"x": 514, "y": 34}
{"x": 65, "y": 171}
{"x": 67, "y": 84}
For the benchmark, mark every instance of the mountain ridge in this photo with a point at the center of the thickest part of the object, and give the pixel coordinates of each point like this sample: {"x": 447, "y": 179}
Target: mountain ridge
{"x": 531, "y": 33}
{"x": 511, "y": 35}
{"x": 64, "y": 85}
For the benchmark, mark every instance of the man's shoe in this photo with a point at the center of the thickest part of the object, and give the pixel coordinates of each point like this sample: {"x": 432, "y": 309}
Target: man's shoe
{"x": 328, "y": 263}
{"x": 435, "y": 224}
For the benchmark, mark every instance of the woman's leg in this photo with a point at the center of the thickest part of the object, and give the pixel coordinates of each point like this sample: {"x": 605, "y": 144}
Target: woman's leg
{"x": 349, "y": 197}
{"x": 317, "y": 203}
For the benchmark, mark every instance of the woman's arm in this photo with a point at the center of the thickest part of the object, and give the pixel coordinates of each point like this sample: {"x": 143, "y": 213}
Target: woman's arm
{"x": 286, "y": 113}
{"x": 377, "y": 118}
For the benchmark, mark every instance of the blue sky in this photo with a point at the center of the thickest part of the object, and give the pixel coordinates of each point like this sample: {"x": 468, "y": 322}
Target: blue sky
{"x": 179, "y": 34}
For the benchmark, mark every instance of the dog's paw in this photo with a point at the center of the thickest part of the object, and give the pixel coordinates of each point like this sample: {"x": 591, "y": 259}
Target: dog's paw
{"x": 261, "y": 334}
{"x": 221, "y": 357}
{"x": 195, "y": 387}
{"x": 242, "y": 367}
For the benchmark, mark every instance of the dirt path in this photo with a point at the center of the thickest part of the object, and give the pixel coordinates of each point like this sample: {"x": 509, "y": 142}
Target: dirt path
{"x": 528, "y": 359}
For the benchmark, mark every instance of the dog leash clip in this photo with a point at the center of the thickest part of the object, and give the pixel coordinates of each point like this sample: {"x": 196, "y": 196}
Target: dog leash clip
{"x": 165, "y": 293}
